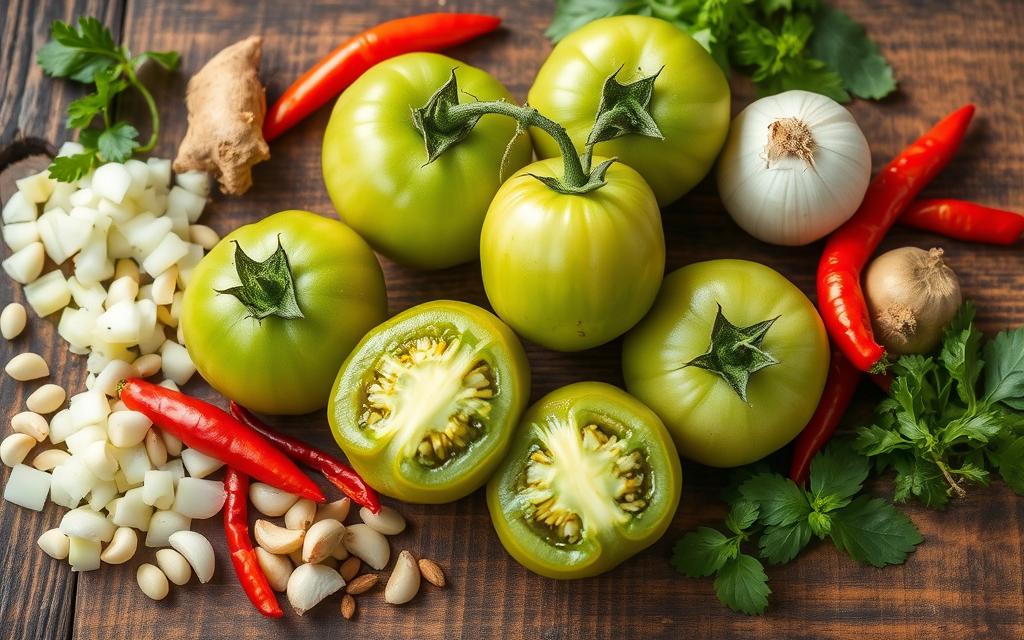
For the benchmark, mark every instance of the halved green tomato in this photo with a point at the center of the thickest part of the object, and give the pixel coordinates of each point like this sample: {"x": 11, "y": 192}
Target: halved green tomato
{"x": 425, "y": 405}
{"x": 591, "y": 479}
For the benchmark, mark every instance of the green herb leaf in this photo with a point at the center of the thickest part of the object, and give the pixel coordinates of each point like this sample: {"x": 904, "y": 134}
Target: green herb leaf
{"x": 921, "y": 479}
{"x": 742, "y": 515}
{"x": 703, "y": 552}
{"x": 781, "y": 544}
{"x": 960, "y": 353}
{"x": 1004, "y": 376}
{"x": 742, "y": 585}
{"x": 780, "y": 500}
{"x": 71, "y": 168}
{"x": 843, "y": 45}
{"x": 79, "y": 53}
{"x": 875, "y": 440}
{"x": 570, "y": 15}
{"x": 166, "y": 59}
{"x": 978, "y": 427}
{"x": 838, "y": 471}
{"x": 874, "y": 532}
{"x": 1010, "y": 460}
{"x": 117, "y": 142}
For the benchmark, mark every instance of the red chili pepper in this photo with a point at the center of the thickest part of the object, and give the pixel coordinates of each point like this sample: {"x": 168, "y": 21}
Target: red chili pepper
{"x": 964, "y": 221}
{"x": 848, "y": 248}
{"x": 243, "y": 557}
{"x": 340, "y": 68}
{"x": 839, "y": 387}
{"x": 211, "y": 430}
{"x": 340, "y": 474}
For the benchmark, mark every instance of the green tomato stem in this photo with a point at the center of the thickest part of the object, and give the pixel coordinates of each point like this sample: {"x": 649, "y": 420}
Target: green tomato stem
{"x": 574, "y": 177}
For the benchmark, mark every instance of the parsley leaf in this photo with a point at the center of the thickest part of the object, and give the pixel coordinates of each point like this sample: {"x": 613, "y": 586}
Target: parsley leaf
{"x": 843, "y": 46}
{"x": 837, "y": 474}
{"x": 874, "y": 532}
{"x": 570, "y": 15}
{"x": 1009, "y": 459}
{"x": 742, "y": 585}
{"x": 779, "y": 545}
{"x": 1004, "y": 377}
{"x": 741, "y": 517}
{"x": 781, "y": 502}
{"x": 702, "y": 552}
{"x": 87, "y": 53}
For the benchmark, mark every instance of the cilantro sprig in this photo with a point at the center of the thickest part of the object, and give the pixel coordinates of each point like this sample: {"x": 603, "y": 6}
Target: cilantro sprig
{"x": 88, "y": 54}
{"x": 779, "y": 518}
{"x": 953, "y": 418}
{"x": 782, "y": 44}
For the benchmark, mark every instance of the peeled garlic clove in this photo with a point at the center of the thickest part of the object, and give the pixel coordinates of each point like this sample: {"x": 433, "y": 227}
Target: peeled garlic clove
{"x": 309, "y": 584}
{"x": 404, "y": 582}
{"x": 388, "y": 521}
{"x": 367, "y": 544}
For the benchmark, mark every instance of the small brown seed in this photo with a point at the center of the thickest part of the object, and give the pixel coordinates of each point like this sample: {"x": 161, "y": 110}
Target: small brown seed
{"x": 350, "y": 568}
{"x": 362, "y": 584}
{"x": 348, "y": 606}
{"x": 431, "y": 572}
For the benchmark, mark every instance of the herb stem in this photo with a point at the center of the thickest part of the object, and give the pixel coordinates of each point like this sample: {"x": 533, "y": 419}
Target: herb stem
{"x": 949, "y": 477}
{"x": 150, "y": 103}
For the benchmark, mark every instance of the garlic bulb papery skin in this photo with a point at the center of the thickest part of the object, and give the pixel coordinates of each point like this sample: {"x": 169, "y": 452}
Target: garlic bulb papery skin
{"x": 794, "y": 168}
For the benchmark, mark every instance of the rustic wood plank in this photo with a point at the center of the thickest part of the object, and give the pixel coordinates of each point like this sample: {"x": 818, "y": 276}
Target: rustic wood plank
{"x": 965, "y": 581}
{"x": 36, "y": 592}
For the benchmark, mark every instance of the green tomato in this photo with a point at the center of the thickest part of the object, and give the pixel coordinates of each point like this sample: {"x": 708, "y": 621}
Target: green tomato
{"x": 690, "y": 103}
{"x": 592, "y": 478}
{"x": 425, "y": 406}
{"x": 274, "y": 309}
{"x": 732, "y": 356}
{"x": 375, "y": 164}
{"x": 568, "y": 271}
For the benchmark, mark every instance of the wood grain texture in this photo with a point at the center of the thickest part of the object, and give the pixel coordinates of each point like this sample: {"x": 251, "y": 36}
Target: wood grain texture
{"x": 967, "y": 580}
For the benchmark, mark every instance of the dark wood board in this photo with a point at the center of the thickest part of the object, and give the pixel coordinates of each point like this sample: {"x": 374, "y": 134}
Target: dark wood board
{"x": 967, "y": 580}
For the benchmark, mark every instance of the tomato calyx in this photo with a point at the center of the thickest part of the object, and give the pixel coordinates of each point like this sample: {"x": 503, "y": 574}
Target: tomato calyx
{"x": 624, "y": 109}
{"x": 735, "y": 353}
{"x": 267, "y": 288}
{"x": 444, "y": 122}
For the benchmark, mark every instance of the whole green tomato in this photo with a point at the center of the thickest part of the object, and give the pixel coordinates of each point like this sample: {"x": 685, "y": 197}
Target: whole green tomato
{"x": 425, "y": 215}
{"x": 572, "y": 271}
{"x": 732, "y": 356}
{"x": 425, "y": 406}
{"x": 689, "y": 104}
{"x": 274, "y": 309}
{"x": 591, "y": 479}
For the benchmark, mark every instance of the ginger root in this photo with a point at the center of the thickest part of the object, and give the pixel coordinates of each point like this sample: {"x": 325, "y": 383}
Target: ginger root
{"x": 226, "y": 105}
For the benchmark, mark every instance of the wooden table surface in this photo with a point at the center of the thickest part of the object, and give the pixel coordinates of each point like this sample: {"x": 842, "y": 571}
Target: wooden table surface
{"x": 966, "y": 581}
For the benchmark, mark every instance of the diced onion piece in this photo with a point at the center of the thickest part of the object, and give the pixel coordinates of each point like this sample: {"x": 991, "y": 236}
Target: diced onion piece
{"x": 188, "y": 264}
{"x": 139, "y": 172}
{"x": 176, "y": 468}
{"x": 102, "y": 494}
{"x": 170, "y": 250}
{"x": 152, "y": 342}
{"x": 84, "y": 555}
{"x": 124, "y": 289}
{"x": 99, "y": 458}
{"x": 27, "y": 487}
{"x": 25, "y": 264}
{"x": 158, "y": 489}
{"x": 20, "y": 234}
{"x": 18, "y": 208}
{"x": 199, "y": 465}
{"x": 61, "y": 196}
{"x": 61, "y": 426}
{"x": 71, "y": 482}
{"x": 118, "y": 246}
{"x": 118, "y": 213}
{"x": 119, "y": 323}
{"x": 147, "y": 316}
{"x": 179, "y": 222}
{"x": 37, "y": 187}
{"x": 131, "y": 510}
{"x": 83, "y": 522}
{"x": 92, "y": 264}
{"x": 159, "y": 172}
{"x": 197, "y": 182}
{"x": 80, "y": 440}
{"x": 114, "y": 372}
{"x": 187, "y": 201}
{"x": 71, "y": 230}
{"x": 111, "y": 181}
{"x": 76, "y": 326}
{"x": 144, "y": 232}
{"x": 84, "y": 197}
{"x": 164, "y": 286}
{"x": 176, "y": 363}
{"x": 199, "y": 499}
{"x": 103, "y": 352}
{"x": 89, "y": 407}
{"x": 70, "y": 148}
{"x": 87, "y": 296}
{"x": 134, "y": 463}
{"x": 163, "y": 524}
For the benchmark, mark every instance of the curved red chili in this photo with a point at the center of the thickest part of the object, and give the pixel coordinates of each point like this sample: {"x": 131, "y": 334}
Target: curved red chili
{"x": 340, "y": 68}
{"x": 848, "y": 249}
{"x": 211, "y": 430}
{"x": 964, "y": 220}
{"x": 839, "y": 387}
{"x": 340, "y": 474}
{"x": 243, "y": 557}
